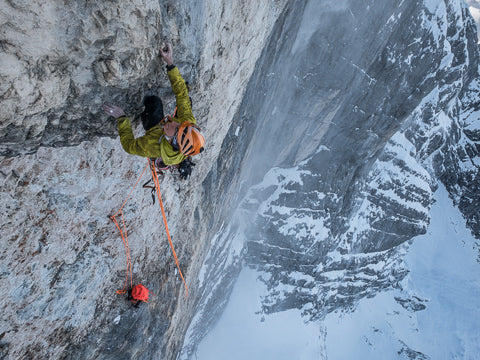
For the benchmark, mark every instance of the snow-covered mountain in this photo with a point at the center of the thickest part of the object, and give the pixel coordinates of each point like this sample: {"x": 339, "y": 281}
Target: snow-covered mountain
{"x": 432, "y": 314}
{"x": 348, "y": 144}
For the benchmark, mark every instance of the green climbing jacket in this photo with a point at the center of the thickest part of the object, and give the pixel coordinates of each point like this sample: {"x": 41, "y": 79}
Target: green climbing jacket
{"x": 153, "y": 143}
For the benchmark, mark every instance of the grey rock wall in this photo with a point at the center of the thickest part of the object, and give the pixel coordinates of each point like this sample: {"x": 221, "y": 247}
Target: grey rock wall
{"x": 63, "y": 170}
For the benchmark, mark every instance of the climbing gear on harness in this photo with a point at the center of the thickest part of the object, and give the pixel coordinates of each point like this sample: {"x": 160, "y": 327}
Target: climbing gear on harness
{"x": 190, "y": 139}
{"x": 185, "y": 168}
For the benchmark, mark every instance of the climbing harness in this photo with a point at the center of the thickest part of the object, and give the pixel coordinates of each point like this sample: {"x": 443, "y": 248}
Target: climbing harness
{"x": 123, "y": 229}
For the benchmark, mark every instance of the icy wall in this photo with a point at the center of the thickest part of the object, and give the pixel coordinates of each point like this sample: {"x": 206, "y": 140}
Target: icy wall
{"x": 355, "y": 111}
{"x": 63, "y": 171}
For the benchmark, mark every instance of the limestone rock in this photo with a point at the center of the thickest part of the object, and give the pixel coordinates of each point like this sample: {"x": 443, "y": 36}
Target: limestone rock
{"x": 64, "y": 172}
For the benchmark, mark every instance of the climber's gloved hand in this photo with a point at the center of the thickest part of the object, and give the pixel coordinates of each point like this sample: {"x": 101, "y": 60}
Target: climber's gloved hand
{"x": 113, "y": 110}
{"x": 185, "y": 168}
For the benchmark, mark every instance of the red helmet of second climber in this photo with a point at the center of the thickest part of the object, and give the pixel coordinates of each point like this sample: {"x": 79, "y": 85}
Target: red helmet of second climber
{"x": 190, "y": 139}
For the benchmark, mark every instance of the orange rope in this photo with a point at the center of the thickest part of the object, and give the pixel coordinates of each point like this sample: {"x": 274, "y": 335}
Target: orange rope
{"x": 138, "y": 180}
{"x": 159, "y": 195}
{"x": 123, "y": 234}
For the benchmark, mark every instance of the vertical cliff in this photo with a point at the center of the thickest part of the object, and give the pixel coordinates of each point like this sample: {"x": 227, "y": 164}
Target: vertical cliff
{"x": 355, "y": 112}
{"x": 63, "y": 170}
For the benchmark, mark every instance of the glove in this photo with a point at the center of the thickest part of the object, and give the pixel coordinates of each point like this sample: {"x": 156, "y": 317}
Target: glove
{"x": 185, "y": 168}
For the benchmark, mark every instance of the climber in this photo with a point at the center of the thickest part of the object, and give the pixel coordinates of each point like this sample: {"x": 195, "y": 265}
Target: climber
{"x": 169, "y": 140}
{"x": 138, "y": 294}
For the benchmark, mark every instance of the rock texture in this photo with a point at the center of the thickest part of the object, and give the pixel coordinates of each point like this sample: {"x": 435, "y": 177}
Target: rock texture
{"x": 61, "y": 257}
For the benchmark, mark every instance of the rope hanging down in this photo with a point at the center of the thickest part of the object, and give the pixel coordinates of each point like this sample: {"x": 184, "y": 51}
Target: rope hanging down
{"x": 123, "y": 233}
{"x": 159, "y": 196}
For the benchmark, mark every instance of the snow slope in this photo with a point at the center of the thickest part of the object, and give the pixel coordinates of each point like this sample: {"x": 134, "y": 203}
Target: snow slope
{"x": 393, "y": 113}
{"x": 434, "y": 314}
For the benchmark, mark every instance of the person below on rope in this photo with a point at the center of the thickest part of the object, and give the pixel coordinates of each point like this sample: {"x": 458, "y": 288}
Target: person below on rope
{"x": 169, "y": 140}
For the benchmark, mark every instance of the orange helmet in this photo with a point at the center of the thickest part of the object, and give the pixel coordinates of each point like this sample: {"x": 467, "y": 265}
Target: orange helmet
{"x": 190, "y": 139}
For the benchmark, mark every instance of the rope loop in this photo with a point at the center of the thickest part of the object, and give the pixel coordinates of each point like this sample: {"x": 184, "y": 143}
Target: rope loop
{"x": 123, "y": 234}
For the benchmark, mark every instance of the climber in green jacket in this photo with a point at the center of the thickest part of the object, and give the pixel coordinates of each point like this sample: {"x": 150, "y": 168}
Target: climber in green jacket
{"x": 169, "y": 140}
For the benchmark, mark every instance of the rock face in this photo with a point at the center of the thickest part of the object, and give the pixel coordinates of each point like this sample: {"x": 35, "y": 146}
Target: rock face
{"x": 346, "y": 145}
{"x": 328, "y": 123}
{"x": 61, "y": 258}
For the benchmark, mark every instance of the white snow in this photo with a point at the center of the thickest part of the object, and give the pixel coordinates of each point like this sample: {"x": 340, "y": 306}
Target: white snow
{"x": 475, "y": 11}
{"x": 444, "y": 276}
{"x": 241, "y": 334}
{"x": 433, "y": 19}
{"x": 444, "y": 270}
